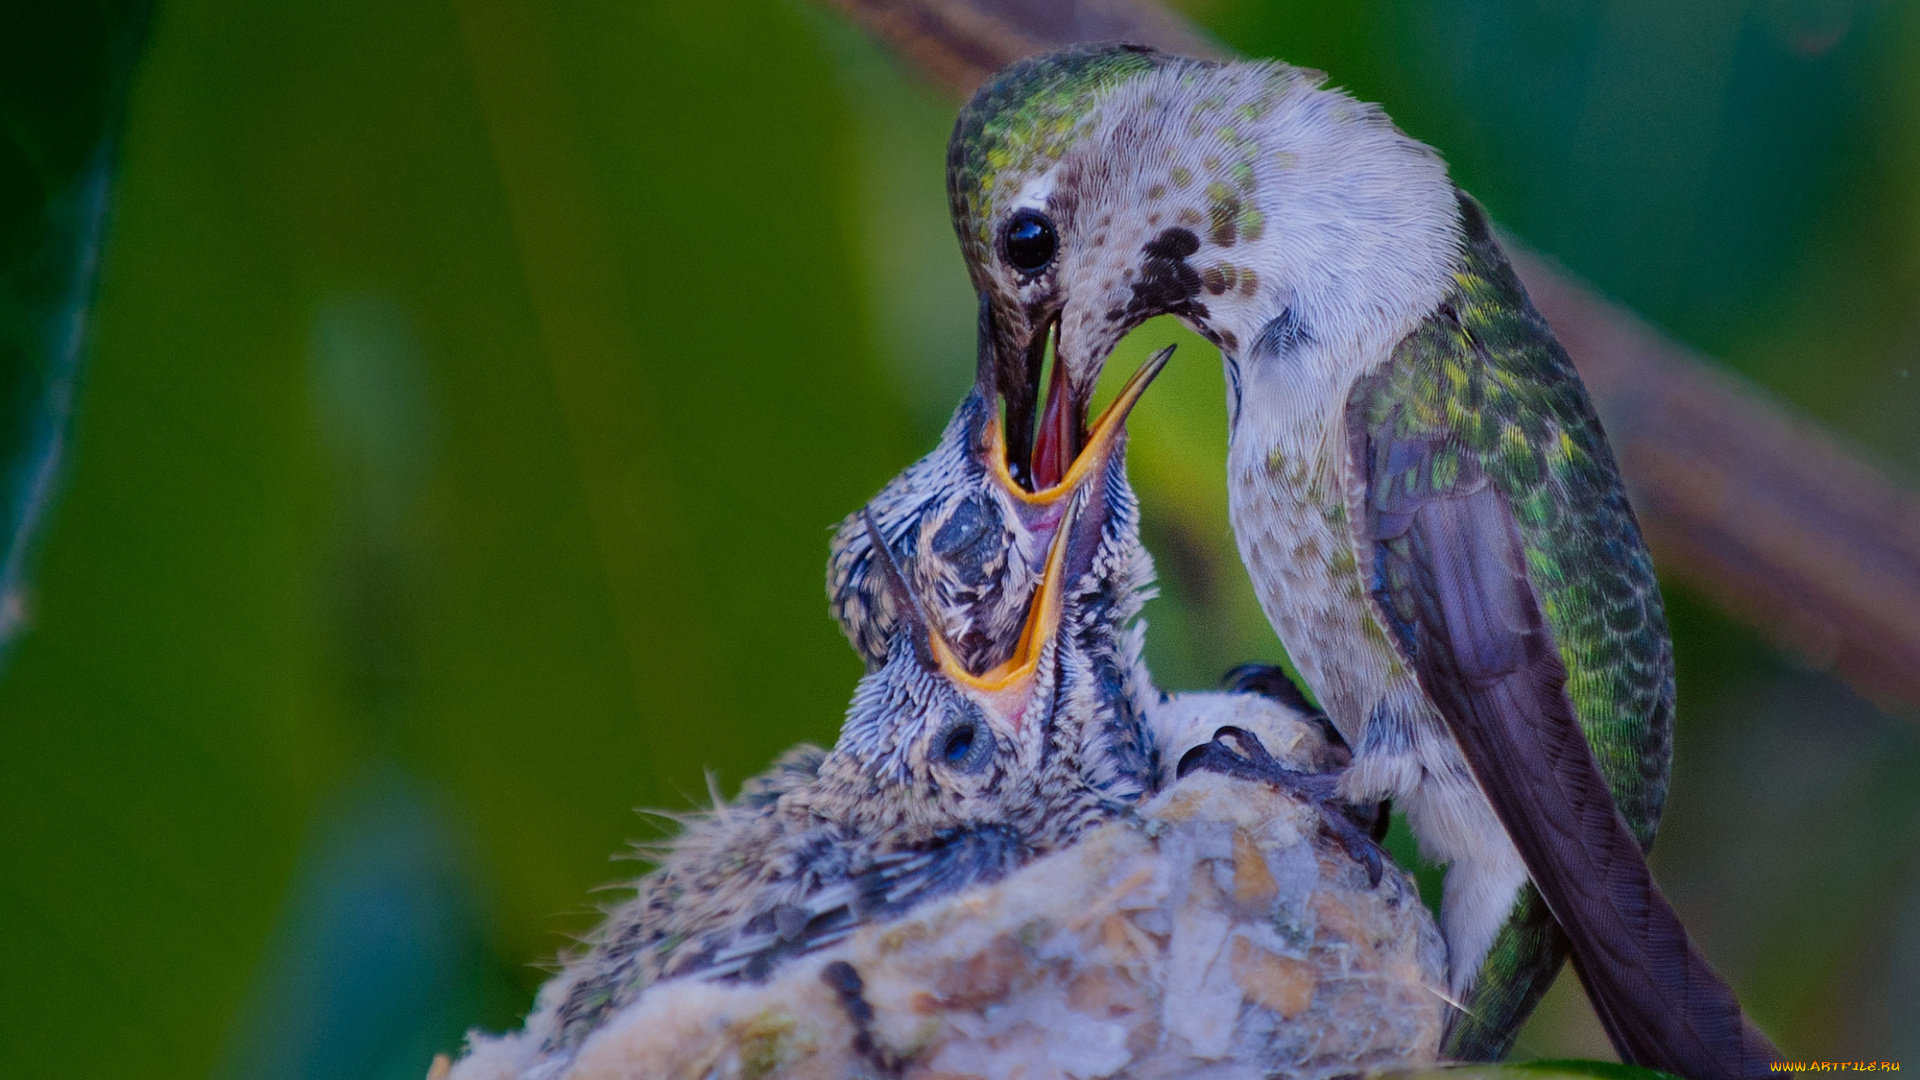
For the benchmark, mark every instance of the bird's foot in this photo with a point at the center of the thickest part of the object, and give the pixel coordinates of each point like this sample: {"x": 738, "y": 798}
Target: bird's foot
{"x": 1272, "y": 682}
{"x": 1251, "y": 761}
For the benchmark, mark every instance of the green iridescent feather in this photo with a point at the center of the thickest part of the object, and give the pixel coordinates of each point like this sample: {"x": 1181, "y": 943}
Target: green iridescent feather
{"x": 1032, "y": 110}
{"x": 1488, "y": 394}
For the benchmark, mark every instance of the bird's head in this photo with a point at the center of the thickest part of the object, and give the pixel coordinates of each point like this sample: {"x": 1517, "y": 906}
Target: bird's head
{"x": 973, "y": 541}
{"x": 1096, "y": 188}
{"x": 931, "y": 744}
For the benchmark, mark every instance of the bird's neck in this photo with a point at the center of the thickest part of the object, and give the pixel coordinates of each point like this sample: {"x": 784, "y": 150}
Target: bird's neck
{"x": 1361, "y": 240}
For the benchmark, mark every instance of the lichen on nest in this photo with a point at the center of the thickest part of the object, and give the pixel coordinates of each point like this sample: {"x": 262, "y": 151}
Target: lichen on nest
{"x": 1217, "y": 932}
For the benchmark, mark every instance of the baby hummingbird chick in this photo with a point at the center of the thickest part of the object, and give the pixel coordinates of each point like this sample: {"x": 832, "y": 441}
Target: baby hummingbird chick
{"x": 971, "y": 534}
{"x": 941, "y": 778}
{"x": 972, "y": 541}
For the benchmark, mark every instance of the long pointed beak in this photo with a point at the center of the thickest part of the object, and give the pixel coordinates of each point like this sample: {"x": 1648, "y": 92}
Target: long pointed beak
{"x": 1009, "y": 372}
{"x": 1102, "y": 440}
{"x": 1007, "y": 687}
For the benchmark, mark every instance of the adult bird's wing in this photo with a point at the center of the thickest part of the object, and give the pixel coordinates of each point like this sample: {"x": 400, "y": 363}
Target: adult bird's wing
{"x": 1487, "y": 485}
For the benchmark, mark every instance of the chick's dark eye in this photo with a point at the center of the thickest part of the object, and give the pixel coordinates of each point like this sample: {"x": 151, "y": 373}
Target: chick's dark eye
{"x": 959, "y": 744}
{"x": 1030, "y": 241}
{"x": 965, "y": 743}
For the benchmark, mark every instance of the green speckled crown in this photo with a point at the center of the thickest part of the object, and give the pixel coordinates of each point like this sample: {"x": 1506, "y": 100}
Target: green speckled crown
{"x": 1028, "y": 113}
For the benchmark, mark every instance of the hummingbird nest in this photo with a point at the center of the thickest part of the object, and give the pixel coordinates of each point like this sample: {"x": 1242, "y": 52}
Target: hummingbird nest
{"x": 1217, "y": 932}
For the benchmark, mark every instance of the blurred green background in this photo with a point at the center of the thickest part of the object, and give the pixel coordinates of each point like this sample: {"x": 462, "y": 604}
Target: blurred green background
{"x": 469, "y": 389}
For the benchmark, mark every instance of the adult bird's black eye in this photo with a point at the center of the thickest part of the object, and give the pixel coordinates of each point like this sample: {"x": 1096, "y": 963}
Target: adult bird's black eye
{"x": 1030, "y": 241}
{"x": 965, "y": 744}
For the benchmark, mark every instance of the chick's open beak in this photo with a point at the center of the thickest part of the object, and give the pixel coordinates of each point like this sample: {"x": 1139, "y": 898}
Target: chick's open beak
{"x": 1007, "y": 687}
{"x": 1094, "y": 451}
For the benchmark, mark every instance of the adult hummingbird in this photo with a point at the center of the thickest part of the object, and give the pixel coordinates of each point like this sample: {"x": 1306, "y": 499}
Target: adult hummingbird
{"x": 941, "y": 778}
{"x": 1418, "y": 484}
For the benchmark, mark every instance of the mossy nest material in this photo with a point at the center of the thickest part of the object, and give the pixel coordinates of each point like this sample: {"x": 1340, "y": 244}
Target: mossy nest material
{"x": 1216, "y": 933}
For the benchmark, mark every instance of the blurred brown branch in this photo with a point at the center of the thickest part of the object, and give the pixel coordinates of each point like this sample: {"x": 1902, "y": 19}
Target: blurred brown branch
{"x": 958, "y": 43}
{"x": 1757, "y": 507}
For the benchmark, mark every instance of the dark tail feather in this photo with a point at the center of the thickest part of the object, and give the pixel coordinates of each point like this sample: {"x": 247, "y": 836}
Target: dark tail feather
{"x": 1487, "y": 658}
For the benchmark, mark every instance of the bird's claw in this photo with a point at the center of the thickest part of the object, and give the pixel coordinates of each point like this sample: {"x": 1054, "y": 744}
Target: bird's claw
{"x": 1272, "y": 682}
{"x": 1252, "y": 761}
